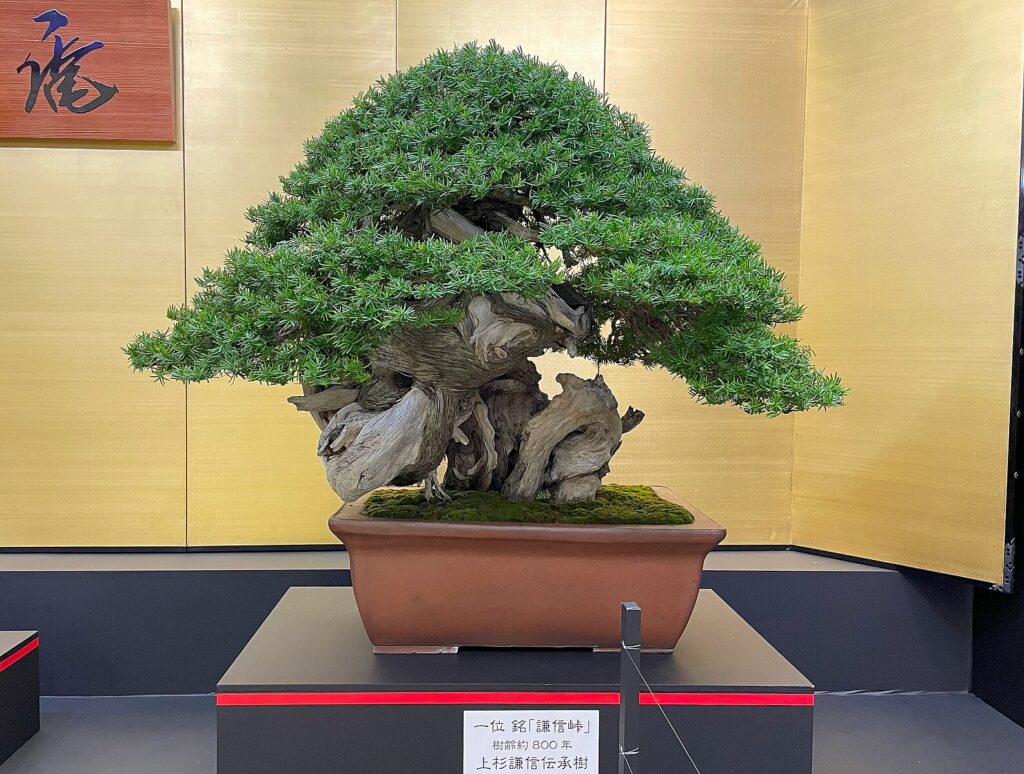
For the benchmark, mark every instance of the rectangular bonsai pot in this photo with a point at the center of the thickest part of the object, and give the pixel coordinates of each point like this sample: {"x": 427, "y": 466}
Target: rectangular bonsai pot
{"x": 430, "y": 586}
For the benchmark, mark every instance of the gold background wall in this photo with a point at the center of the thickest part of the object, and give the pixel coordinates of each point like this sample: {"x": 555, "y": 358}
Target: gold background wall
{"x": 260, "y": 78}
{"x": 721, "y": 84}
{"x": 907, "y": 264}
{"x": 91, "y": 454}
{"x": 96, "y": 455}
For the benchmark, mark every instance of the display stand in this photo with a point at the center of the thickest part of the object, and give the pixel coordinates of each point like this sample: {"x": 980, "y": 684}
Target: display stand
{"x": 19, "y": 690}
{"x": 307, "y": 694}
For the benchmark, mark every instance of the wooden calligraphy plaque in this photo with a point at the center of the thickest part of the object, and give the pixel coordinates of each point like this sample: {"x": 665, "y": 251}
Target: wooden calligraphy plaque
{"x": 88, "y": 69}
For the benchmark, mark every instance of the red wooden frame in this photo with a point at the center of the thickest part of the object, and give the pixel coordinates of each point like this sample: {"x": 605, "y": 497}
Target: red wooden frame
{"x": 135, "y": 57}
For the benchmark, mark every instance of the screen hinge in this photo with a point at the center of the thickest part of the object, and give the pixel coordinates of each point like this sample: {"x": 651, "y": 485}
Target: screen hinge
{"x": 1020, "y": 261}
{"x": 1009, "y": 551}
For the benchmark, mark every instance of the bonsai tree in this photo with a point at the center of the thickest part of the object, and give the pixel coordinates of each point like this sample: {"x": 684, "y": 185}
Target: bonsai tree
{"x": 460, "y": 218}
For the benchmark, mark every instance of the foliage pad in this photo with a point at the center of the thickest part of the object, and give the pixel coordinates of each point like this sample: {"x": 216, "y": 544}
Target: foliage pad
{"x": 345, "y": 256}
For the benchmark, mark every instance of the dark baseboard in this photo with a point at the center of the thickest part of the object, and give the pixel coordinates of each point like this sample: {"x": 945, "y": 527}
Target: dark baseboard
{"x": 151, "y": 623}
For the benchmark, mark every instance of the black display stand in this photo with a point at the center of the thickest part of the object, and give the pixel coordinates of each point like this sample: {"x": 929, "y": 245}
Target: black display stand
{"x": 19, "y": 690}
{"x": 307, "y": 695}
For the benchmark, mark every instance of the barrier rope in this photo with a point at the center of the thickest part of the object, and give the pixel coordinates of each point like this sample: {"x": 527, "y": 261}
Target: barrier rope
{"x": 625, "y": 757}
{"x": 628, "y": 649}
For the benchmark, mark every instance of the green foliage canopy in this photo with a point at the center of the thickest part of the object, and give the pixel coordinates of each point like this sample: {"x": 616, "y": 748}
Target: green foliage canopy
{"x": 342, "y": 258}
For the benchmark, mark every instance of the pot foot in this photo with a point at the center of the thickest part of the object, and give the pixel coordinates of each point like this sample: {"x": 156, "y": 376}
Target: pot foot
{"x": 383, "y": 650}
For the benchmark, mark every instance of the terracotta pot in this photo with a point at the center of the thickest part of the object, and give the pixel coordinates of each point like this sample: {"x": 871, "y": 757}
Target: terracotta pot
{"x": 430, "y": 587}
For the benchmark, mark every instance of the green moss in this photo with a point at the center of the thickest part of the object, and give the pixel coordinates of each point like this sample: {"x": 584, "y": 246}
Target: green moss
{"x": 615, "y": 504}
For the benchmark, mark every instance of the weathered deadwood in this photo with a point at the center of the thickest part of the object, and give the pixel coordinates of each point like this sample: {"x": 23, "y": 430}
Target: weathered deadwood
{"x": 498, "y": 332}
{"x": 378, "y": 439}
{"x": 309, "y": 393}
{"x": 584, "y": 417}
{"x": 579, "y": 489}
{"x": 457, "y": 227}
{"x": 468, "y": 390}
{"x": 432, "y": 489}
{"x": 513, "y": 197}
{"x": 580, "y": 461}
{"x": 511, "y": 225}
{"x": 511, "y": 402}
{"x": 385, "y": 388}
{"x": 631, "y": 419}
{"x": 472, "y": 457}
{"x": 486, "y": 443}
{"x": 570, "y": 442}
{"x": 453, "y": 225}
{"x": 329, "y": 399}
{"x": 363, "y": 450}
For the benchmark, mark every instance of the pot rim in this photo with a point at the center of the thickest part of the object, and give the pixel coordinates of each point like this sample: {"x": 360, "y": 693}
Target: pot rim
{"x": 349, "y": 521}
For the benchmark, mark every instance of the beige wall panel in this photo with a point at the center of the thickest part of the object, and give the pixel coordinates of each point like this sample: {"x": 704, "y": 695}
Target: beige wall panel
{"x": 570, "y": 32}
{"x": 92, "y": 453}
{"x": 260, "y": 78}
{"x": 909, "y": 217}
{"x": 721, "y": 85}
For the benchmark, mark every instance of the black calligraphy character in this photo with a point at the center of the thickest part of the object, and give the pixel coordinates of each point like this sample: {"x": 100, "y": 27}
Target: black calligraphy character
{"x": 63, "y": 70}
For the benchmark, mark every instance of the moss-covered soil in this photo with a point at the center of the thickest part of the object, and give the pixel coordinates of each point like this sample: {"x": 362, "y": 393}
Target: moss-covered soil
{"x": 615, "y": 504}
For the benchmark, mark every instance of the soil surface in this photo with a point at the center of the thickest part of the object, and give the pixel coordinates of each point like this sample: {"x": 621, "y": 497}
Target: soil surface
{"x": 615, "y": 504}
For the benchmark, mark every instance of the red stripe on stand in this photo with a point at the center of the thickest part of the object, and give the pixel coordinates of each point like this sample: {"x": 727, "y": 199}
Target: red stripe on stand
{"x": 320, "y": 699}
{"x": 413, "y": 697}
{"x": 729, "y": 699}
{"x": 19, "y": 654}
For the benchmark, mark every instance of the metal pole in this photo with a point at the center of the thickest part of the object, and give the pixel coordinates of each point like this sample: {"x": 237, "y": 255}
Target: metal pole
{"x": 629, "y": 691}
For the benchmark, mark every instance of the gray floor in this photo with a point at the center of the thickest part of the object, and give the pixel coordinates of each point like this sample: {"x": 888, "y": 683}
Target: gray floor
{"x": 937, "y": 734}
{"x": 121, "y": 735}
{"x": 931, "y": 734}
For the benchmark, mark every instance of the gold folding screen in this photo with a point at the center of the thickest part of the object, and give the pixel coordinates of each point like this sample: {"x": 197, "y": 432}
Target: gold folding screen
{"x": 570, "y": 32}
{"x": 904, "y": 189}
{"x": 907, "y": 264}
{"x": 721, "y": 83}
{"x": 261, "y": 76}
{"x": 90, "y": 453}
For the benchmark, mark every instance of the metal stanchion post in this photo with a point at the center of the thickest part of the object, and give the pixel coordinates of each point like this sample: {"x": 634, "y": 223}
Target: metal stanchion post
{"x": 629, "y": 691}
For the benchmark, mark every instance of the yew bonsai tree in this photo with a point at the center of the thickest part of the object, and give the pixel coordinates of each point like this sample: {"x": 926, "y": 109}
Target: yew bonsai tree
{"x": 460, "y": 218}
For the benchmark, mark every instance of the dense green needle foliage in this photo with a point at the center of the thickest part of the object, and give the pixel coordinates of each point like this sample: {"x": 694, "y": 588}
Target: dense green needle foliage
{"x": 344, "y": 256}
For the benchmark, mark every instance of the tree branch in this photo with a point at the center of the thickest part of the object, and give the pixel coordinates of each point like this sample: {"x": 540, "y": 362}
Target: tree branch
{"x": 631, "y": 419}
{"x": 505, "y": 195}
{"x": 452, "y": 225}
{"x": 330, "y": 399}
{"x": 513, "y": 226}
{"x": 321, "y": 403}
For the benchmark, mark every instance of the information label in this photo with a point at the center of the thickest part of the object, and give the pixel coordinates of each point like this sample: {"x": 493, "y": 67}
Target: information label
{"x": 530, "y": 740}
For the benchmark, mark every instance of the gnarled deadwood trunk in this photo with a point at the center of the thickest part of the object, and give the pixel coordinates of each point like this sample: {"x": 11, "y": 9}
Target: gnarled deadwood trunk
{"x": 471, "y": 394}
